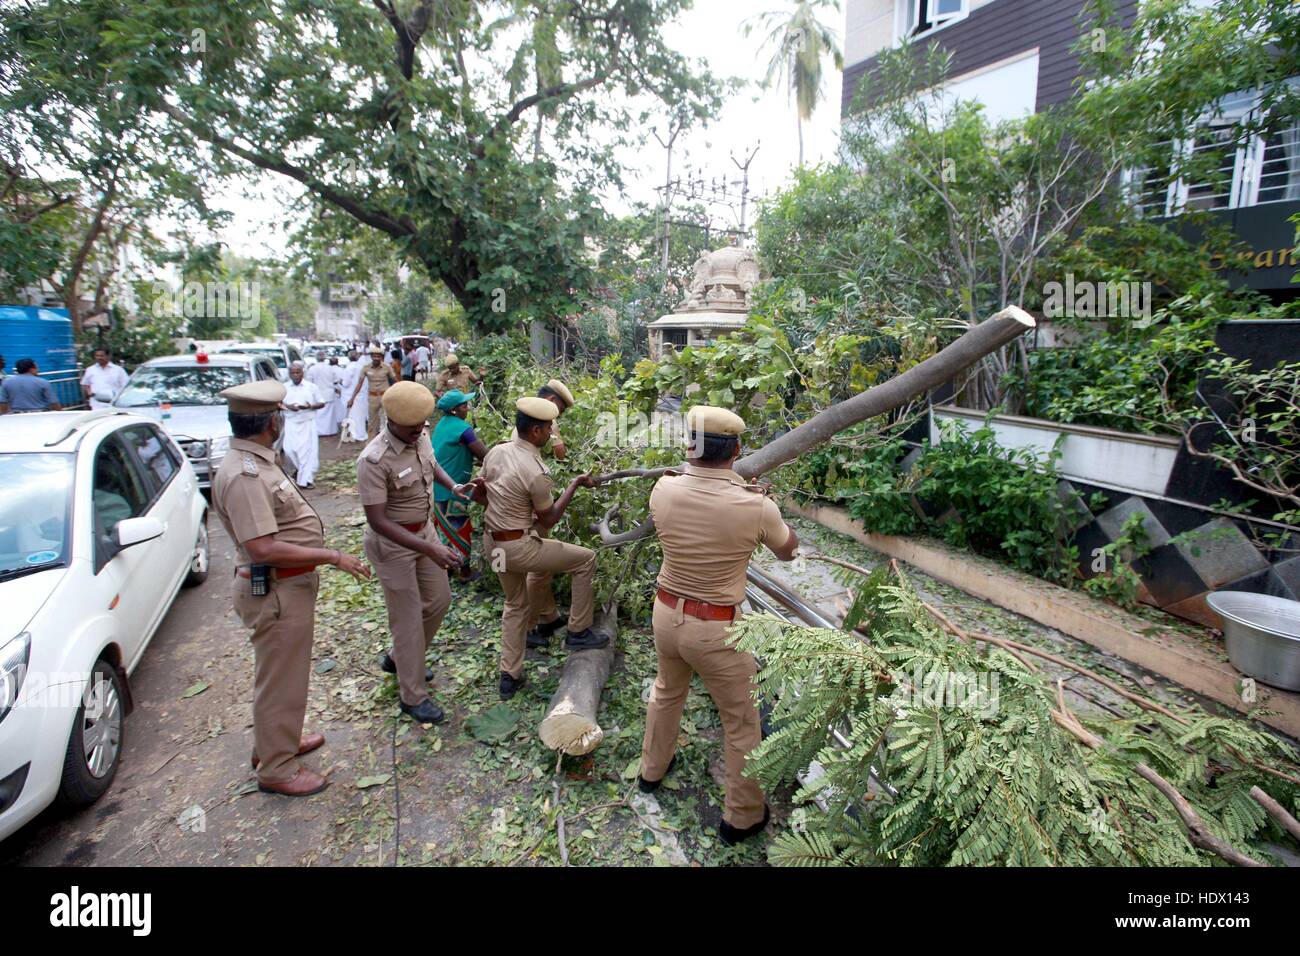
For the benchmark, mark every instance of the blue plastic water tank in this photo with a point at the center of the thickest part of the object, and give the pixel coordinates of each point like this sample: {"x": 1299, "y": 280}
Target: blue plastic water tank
{"x": 45, "y": 335}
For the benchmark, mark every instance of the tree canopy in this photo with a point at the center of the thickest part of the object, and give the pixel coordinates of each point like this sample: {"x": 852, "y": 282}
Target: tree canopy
{"x": 412, "y": 118}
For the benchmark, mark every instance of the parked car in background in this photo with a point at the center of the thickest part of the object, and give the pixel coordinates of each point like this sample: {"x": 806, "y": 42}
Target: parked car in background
{"x": 281, "y": 353}
{"x": 181, "y": 392}
{"x": 338, "y": 350}
{"x": 101, "y": 523}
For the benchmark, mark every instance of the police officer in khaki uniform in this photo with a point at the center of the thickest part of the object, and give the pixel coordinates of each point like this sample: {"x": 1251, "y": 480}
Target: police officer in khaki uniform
{"x": 454, "y": 375}
{"x": 515, "y": 485}
{"x": 377, "y": 378}
{"x": 543, "y": 616}
{"x": 279, "y": 541}
{"x": 395, "y": 478}
{"x": 709, "y": 522}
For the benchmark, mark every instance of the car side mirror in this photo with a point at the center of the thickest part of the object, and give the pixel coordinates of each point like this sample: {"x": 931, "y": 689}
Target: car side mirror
{"x": 133, "y": 531}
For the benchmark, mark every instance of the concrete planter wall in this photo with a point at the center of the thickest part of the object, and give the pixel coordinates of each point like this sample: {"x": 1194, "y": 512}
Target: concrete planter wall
{"x": 1140, "y": 464}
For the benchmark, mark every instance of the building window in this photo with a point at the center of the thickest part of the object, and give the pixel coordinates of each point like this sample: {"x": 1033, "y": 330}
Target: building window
{"x": 1223, "y": 164}
{"x": 677, "y": 337}
{"x": 919, "y": 17}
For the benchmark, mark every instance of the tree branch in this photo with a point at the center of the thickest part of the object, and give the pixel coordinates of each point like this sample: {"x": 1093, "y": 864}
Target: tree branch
{"x": 397, "y": 228}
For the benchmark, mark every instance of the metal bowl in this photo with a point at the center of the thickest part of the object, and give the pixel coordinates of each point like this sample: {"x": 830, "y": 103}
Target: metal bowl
{"x": 1263, "y": 635}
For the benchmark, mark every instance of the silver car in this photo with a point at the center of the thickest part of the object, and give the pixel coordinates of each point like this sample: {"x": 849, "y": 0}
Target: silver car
{"x": 180, "y": 392}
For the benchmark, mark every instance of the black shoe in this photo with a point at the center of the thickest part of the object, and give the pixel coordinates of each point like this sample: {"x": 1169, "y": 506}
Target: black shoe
{"x": 388, "y": 666}
{"x": 509, "y": 685}
{"x": 426, "y": 711}
{"x": 540, "y": 636}
{"x": 731, "y": 836}
{"x": 585, "y": 640}
{"x": 650, "y": 786}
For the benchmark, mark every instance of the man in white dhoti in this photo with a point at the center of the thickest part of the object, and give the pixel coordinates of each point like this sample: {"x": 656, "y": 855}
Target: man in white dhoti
{"x": 322, "y": 376}
{"x": 357, "y": 416}
{"x": 340, "y": 403}
{"x": 301, "y": 446}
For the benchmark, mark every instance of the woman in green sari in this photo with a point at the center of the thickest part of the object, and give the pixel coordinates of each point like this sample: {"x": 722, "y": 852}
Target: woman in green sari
{"x": 456, "y": 446}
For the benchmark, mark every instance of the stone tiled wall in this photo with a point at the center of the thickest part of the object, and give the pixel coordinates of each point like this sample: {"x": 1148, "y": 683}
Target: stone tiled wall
{"x": 1193, "y": 552}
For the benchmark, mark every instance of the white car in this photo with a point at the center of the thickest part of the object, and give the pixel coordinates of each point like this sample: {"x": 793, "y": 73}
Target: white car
{"x": 281, "y": 353}
{"x": 182, "y": 393}
{"x": 101, "y": 523}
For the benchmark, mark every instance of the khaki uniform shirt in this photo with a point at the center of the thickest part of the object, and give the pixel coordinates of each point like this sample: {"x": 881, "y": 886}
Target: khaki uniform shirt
{"x": 461, "y": 380}
{"x": 253, "y": 498}
{"x": 709, "y": 524}
{"x": 398, "y": 476}
{"x": 378, "y": 379}
{"x": 518, "y": 484}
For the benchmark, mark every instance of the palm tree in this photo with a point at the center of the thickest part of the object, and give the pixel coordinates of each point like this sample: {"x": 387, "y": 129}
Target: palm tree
{"x": 800, "y": 43}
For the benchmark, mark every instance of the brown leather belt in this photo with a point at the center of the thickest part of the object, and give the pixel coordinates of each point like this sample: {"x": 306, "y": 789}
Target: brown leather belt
{"x": 373, "y": 392}
{"x": 701, "y": 609}
{"x": 280, "y": 573}
{"x": 506, "y": 535}
{"x": 415, "y": 528}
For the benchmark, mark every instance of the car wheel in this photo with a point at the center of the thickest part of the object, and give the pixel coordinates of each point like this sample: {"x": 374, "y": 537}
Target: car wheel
{"x": 95, "y": 744}
{"x": 199, "y": 562}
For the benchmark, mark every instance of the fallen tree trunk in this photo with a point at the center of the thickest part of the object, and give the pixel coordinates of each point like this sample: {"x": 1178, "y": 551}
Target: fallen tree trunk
{"x": 983, "y": 339}
{"x": 570, "y": 721}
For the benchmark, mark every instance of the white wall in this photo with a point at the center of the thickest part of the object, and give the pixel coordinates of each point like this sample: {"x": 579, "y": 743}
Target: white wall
{"x": 868, "y": 29}
{"x": 1008, "y": 89}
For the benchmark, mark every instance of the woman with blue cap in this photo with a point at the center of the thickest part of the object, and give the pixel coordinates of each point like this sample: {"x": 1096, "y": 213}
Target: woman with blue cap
{"x": 456, "y": 446}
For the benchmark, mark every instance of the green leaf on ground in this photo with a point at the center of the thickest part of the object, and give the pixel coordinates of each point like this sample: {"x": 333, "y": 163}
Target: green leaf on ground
{"x": 376, "y": 780}
{"x": 492, "y": 725}
{"x": 195, "y": 689}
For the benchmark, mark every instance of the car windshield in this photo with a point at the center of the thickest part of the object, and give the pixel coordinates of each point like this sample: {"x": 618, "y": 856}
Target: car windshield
{"x": 183, "y": 385}
{"x": 275, "y": 354}
{"x": 35, "y": 492}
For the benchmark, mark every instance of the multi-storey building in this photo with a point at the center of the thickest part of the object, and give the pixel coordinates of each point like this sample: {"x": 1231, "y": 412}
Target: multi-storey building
{"x": 1019, "y": 56}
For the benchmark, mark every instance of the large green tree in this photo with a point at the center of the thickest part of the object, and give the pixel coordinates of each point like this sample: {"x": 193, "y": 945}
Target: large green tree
{"x": 412, "y": 118}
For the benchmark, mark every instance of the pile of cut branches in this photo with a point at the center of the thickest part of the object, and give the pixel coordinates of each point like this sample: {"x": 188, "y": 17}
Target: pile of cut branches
{"x": 986, "y": 763}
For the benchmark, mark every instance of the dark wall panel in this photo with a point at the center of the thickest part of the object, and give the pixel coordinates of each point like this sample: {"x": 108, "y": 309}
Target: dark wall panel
{"x": 1001, "y": 30}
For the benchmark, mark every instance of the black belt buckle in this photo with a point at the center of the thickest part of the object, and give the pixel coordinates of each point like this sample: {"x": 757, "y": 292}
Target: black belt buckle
{"x": 259, "y": 576}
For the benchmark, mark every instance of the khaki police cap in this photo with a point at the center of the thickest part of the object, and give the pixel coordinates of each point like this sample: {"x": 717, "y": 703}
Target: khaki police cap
{"x": 451, "y": 359}
{"x": 714, "y": 421}
{"x": 562, "y": 390}
{"x": 254, "y": 398}
{"x": 408, "y": 403}
{"x": 542, "y": 409}
{"x": 375, "y": 350}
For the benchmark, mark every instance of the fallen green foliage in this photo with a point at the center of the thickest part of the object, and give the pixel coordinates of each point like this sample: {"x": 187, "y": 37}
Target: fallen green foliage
{"x": 479, "y": 788}
{"x": 984, "y": 776}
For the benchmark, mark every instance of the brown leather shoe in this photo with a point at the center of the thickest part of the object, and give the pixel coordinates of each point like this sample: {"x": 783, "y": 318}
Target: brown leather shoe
{"x": 303, "y": 784}
{"x": 306, "y": 745}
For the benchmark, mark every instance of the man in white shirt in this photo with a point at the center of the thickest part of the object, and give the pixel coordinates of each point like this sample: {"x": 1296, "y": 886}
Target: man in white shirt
{"x": 422, "y": 361}
{"x": 301, "y": 446}
{"x": 324, "y": 376}
{"x": 103, "y": 378}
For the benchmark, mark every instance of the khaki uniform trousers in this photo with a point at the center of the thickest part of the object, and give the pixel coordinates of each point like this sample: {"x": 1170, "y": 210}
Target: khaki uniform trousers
{"x": 418, "y": 595}
{"x": 283, "y": 622}
{"x": 373, "y": 421}
{"x": 535, "y": 553}
{"x": 541, "y": 596}
{"x": 687, "y": 644}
